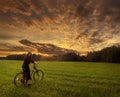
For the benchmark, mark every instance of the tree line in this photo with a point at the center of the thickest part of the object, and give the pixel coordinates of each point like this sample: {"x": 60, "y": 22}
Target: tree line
{"x": 109, "y": 54}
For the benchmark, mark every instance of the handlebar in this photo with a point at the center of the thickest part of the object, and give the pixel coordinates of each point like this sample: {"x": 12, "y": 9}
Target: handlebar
{"x": 35, "y": 64}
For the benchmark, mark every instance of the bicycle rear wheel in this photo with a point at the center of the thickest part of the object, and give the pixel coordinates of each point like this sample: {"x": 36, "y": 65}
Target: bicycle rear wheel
{"x": 38, "y": 75}
{"x": 17, "y": 79}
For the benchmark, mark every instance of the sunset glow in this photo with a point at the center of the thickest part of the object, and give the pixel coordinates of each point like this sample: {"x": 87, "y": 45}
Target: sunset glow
{"x": 80, "y": 25}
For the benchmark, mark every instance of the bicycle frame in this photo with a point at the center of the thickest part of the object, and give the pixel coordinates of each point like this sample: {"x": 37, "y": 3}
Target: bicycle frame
{"x": 32, "y": 72}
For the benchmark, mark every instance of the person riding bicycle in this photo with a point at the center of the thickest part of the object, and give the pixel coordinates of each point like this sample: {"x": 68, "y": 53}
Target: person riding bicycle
{"x": 27, "y": 60}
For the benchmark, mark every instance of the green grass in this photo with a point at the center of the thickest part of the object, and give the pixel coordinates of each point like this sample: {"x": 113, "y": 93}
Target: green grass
{"x": 64, "y": 79}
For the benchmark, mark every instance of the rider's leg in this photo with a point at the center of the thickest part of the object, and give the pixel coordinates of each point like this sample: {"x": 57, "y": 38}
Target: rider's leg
{"x": 23, "y": 76}
{"x": 28, "y": 77}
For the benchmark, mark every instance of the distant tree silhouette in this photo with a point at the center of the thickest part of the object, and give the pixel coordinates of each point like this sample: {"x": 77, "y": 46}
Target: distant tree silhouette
{"x": 70, "y": 56}
{"x": 109, "y": 54}
{"x": 22, "y": 56}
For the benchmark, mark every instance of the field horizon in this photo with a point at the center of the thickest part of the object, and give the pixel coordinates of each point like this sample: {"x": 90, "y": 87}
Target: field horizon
{"x": 63, "y": 79}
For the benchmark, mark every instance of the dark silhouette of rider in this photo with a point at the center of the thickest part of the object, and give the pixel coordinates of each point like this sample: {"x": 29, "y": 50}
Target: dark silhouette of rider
{"x": 26, "y": 69}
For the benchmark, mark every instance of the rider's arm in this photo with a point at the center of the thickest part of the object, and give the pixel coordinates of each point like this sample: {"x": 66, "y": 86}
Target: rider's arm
{"x": 33, "y": 62}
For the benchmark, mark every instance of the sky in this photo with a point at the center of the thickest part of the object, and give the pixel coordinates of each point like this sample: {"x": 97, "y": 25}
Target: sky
{"x": 82, "y": 25}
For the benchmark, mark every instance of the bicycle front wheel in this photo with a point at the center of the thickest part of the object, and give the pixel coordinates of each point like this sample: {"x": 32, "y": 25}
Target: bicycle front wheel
{"x": 38, "y": 75}
{"x": 17, "y": 79}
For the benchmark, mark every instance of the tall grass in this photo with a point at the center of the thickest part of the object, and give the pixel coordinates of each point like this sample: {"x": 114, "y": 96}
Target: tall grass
{"x": 64, "y": 79}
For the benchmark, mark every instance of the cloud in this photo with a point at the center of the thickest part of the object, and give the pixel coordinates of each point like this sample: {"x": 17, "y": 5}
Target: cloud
{"x": 102, "y": 10}
{"x": 110, "y": 9}
{"x": 75, "y": 24}
{"x": 15, "y": 7}
{"x": 8, "y": 37}
{"x": 9, "y": 47}
{"x": 45, "y": 48}
{"x": 98, "y": 21}
{"x": 29, "y": 10}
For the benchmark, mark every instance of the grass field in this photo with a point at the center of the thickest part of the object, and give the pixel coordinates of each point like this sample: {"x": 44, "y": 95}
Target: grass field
{"x": 64, "y": 79}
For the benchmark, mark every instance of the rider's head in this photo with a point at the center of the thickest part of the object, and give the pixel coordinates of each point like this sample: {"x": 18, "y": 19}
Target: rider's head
{"x": 29, "y": 54}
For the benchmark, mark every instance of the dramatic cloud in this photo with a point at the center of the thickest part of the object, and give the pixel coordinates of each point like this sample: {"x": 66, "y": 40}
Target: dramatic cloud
{"x": 102, "y": 10}
{"x": 83, "y": 25}
{"x": 45, "y": 48}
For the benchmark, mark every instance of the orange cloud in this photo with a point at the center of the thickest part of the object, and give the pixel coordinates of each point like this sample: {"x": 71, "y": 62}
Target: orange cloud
{"x": 83, "y": 25}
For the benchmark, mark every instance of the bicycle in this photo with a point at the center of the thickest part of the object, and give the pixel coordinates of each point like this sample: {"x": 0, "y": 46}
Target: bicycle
{"x": 36, "y": 75}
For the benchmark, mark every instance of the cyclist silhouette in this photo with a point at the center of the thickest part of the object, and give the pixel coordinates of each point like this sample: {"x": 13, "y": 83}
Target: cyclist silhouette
{"x": 27, "y": 60}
